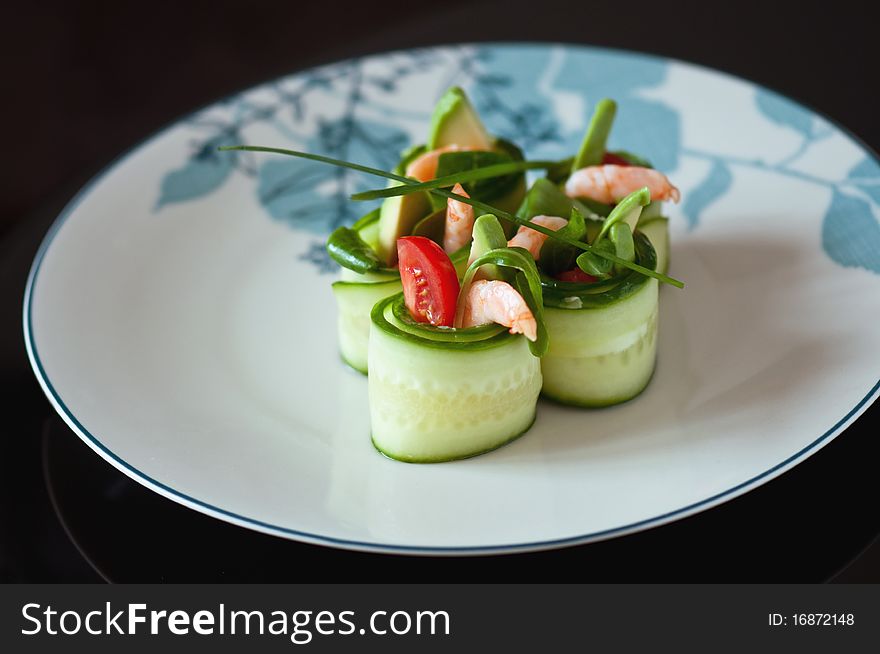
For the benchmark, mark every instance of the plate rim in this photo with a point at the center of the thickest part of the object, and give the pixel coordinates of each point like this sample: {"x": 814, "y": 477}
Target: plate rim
{"x": 318, "y": 539}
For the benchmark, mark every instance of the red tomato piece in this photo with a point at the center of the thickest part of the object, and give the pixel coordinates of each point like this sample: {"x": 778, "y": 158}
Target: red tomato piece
{"x": 611, "y": 158}
{"x": 576, "y": 275}
{"x": 430, "y": 283}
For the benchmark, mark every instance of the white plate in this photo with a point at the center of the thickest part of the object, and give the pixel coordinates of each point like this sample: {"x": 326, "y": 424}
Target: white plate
{"x": 180, "y": 319}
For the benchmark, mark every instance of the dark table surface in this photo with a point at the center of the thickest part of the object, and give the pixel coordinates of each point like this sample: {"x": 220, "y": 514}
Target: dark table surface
{"x": 92, "y": 79}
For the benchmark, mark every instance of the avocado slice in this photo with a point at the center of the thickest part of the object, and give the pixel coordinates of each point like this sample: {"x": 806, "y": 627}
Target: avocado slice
{"x": 397, "y": 217}
{"x": 593, "y": 146}
{"x": 455, "y": 122}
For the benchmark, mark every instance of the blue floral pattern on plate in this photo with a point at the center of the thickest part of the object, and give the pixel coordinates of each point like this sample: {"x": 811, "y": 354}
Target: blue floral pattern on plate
{"x": 537, "y": 96}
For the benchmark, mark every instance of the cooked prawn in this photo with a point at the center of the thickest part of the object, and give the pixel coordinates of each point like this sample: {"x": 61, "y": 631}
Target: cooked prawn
{"x": 533, "y": 240}
{"x": 459, "y": 222}
{"x": 424, "y": 167}
{"x": 610, "y": 183}
{"x": 496, "y": 301}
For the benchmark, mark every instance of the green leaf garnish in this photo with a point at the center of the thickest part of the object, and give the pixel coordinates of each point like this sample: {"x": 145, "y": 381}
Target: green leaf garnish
{"x": 545, "y": 199}
{"x": 598, "y": 208}
{"x": 622, "y": 237}
{"x": 619, "y": 227}
{"x": 596, "y": 262}
{"x": 559, "y": 172}
{"x": 628, "y": 209}
{"x": 490, "y": 189}
{"x": 557, "y": 256}
{"x": 482, "y": 206}
{"x": 463, "y": 177}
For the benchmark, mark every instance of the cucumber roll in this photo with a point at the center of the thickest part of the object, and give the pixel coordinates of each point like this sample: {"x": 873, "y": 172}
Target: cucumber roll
{"x": 601, "y": 315}
{"x": 357, "y": 292}
{"x": 354, "y": 301}
{"x": 454, "y": 368}
{"x": 603, "y": 335}
{"x": 438, "y": 395}
{"x": 601, "y": 318}
{"x": 657, "y": 231}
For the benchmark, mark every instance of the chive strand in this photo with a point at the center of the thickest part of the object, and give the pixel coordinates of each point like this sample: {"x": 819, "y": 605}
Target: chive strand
{"x": 476, "y": 174}
{"x": 666, "y": 279}
{"x": 321, "y": 159}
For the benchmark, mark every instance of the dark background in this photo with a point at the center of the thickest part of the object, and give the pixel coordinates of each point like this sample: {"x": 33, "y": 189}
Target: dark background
{"x": 83, "y": 81}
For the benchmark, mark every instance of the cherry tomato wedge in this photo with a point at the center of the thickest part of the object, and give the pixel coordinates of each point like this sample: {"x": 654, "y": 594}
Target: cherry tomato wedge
{"x": 576, "y": 275}
{"x": 430, "y": 283}
{"x": 610, "y": 158}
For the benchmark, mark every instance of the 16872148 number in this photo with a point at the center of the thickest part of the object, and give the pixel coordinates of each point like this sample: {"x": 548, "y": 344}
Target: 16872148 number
{"x": 812, "y": 619}
{"x": 822, "y": 619}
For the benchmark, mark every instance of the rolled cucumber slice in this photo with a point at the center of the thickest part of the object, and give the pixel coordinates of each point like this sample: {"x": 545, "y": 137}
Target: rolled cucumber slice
{"x": 356, "y": 293}
{"x": 354, "y": 301}
{"x": 603, "y": 336}
{"x": 657, "y": 231}
{"x": 600, "y": 357}
{"x": 441, "y": 400}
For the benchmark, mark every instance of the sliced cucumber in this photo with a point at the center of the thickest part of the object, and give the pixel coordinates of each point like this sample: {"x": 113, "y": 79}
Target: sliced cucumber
{"x": 603, "y": 335}
{"x": 599, "y": 357}
{"x": 657, "y": 231}
{"x": 547, "y": 199}
{"x": 440, "y": 400}
{"x": 356, "y": 293}
{"x": 354, "y": 301}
